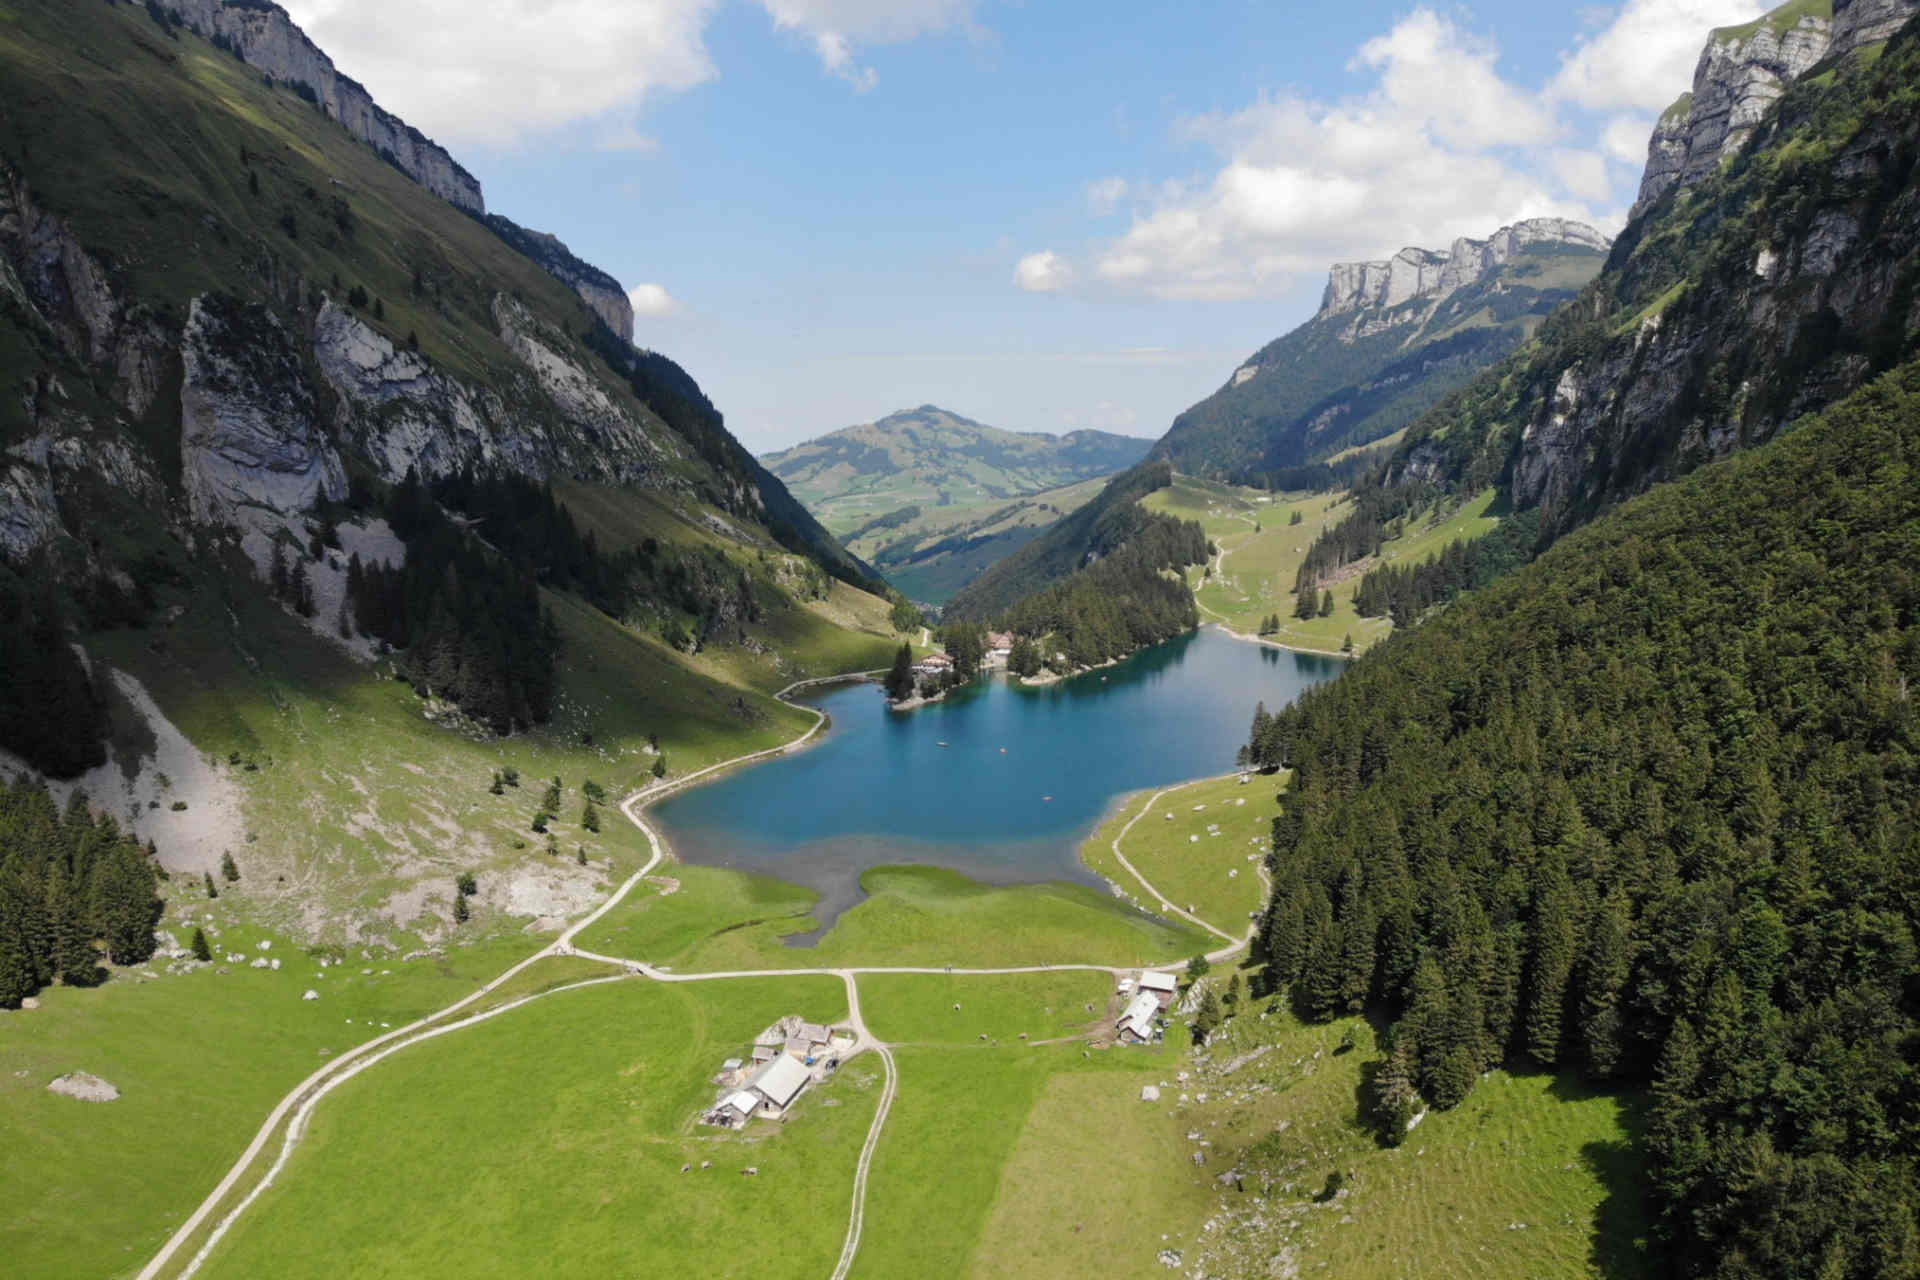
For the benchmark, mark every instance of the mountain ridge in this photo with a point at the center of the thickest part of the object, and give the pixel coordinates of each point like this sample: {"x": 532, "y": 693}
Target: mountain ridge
{"x": 933, "y": 457}
{"x": 1390, "y": 338}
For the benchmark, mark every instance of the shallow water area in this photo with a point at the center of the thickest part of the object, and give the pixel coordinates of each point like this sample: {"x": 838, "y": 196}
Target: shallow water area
{"x": 999, "y": 782}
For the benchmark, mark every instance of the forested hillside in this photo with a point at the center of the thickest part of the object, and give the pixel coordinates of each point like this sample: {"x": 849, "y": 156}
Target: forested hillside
{"x": 1103, "y": 526}
{"x": 1649, "y": 810}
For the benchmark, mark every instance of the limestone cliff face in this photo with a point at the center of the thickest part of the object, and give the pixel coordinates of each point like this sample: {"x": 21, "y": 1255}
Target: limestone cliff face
{"x": 1864, "y": 22}
{"x": 1743, "y": 71}
{"x": 1804, "y": 301}
{"x": 1376, "y": 292}
{"x": 266, "y": 38}
{"x": 599, "y": 290}
{"x": 252, "y": 433}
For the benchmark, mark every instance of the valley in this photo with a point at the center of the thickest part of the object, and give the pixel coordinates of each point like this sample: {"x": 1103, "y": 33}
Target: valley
{"x": 476, "y": 799}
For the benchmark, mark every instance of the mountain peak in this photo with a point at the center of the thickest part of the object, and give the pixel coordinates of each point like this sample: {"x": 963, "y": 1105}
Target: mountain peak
{"x": 1434, "y": 273}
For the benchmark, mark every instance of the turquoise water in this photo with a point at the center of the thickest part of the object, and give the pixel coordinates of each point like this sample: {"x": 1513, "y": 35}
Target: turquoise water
{"x": 998, "y": 782}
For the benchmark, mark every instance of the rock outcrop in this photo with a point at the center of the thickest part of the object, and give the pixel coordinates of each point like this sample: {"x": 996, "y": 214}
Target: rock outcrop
{"x": 264, "y": 36}
{"x": 1431, "y": 275}
{"x": 1817, "y": 294}
{"x": 604, "y": 294}
{"x": 1743, "y": 71}
{"x": 252, "y": 433}
{"x": 85, "y": 1087}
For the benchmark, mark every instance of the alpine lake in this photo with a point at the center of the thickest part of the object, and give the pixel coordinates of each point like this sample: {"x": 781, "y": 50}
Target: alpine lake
{"x": 1000, "y": 782}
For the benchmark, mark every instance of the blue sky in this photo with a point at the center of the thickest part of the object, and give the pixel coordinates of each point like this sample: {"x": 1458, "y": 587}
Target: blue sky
{"x": 1041, "y": 215}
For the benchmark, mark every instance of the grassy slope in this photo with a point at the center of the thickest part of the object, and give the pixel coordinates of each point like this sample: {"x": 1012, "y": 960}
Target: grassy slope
{"x": 1182, "y": 859}
{"x": 1526, "y": 1150}
{"x": 136, "y": 139}
{"x": 591, "y": 1096}
{"x": 1261, "y": 566}
{"x": 200, "y": 1059}
{"x": 914, "y": 916}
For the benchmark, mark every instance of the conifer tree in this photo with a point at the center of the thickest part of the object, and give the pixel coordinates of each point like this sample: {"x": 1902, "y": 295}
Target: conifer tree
{"x": 900, "y": 678}
{"x": 1326, "y": 605}
{"x": 229, "y": 870}
{"x": 461, "y": 912}
{"x": 1207, "y": 1017}
{"x": 590, "y": 818}
{"x": 201, "y": 951}
{"x": 660, "y": 766}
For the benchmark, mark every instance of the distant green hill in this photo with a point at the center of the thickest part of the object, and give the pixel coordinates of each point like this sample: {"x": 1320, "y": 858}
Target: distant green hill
{"x": 929, "y": 457}
{"x": 1390, "y": 340}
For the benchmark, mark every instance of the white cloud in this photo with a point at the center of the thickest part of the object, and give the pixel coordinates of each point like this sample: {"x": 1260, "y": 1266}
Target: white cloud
{"x": 1437, "y": 143}
{"x": 1625, "y": 139}
{"x": 1104, "y": 196}
{"x": 1443, "y": 79}
{"x": 652, "y": 300}
{"x": 1424, "y": 155}
{"x": 1043, "y": 272}
{"x": 837, "y": 27}
{"x": 498, "y": 72}
{"x": 1644, "y": 57}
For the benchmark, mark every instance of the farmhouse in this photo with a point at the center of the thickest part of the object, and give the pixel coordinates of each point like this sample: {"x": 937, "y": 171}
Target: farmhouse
{"x": 1161, "y": 986}
{"x": 734, "y": 1110}
{"x": 1136, "y": 1025}
{"x": 809, "y": 1041}
{"x": 934, "y": 664}
{"x": 778, "y": 1083}
{"x": 999, "y": 646}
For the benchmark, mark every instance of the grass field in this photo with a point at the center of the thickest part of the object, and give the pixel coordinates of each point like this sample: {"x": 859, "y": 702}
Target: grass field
{"x": 722, "y": 919}
{"x": 938, "y": 1171}
{"x": 923, "y": 1009}
{"x": 1213, "y": 875}
{"x": 200, "y": 1059}
{"x": 552, "y": 1141}
{"x": 1263, "y": 554}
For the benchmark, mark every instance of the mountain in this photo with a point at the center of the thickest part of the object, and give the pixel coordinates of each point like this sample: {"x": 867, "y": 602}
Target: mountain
{"x": 929, "y": 457}
{"x": 1390, "y": 340}
{"x": 1744, "y": 296}
{"x": 930, "y": 553}
{"x": 243, "y": 338}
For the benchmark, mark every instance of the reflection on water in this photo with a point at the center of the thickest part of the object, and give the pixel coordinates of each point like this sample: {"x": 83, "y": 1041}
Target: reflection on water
{"x": 998, "y": 782}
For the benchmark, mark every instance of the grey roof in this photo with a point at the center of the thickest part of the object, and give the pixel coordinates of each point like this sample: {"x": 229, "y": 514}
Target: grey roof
{"x": 780, "y": 1081}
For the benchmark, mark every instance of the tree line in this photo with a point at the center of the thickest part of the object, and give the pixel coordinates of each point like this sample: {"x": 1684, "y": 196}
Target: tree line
{"x": 1649, "y": 810}
{"x": 1405, "y": 592}
{"x": 71, "y": 887}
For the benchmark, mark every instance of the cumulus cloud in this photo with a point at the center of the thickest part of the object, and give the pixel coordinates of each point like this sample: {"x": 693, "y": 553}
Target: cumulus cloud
{"x": 1435, "y": 144}
{"x": 652, "y": 300}
{"x": 1043, "y": 272}
{"x": 1643, "y": 58}
{"x": 1426, "y": 154}
{"x": 498, "y": 72}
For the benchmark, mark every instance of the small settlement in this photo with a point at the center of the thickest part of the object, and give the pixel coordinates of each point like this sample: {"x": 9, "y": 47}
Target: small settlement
{"x": 787, "y": 1058}
{"x": 1148, "y": 998}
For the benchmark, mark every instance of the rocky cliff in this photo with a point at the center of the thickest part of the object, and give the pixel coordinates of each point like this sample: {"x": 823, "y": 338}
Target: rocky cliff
{"x": 1390, "y": 339}
{"x": 263, "y": 36}
{"x": 1744, "y": 70}
{"x": 1431, "y": 275}
{"x": 1788, "y": 279}
{"x": 600, "y": 291}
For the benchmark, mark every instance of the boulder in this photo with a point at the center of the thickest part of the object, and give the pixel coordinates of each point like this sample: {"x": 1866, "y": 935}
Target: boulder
{"x": 311, "y": 994}
{"x": 85, "y": 1087}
